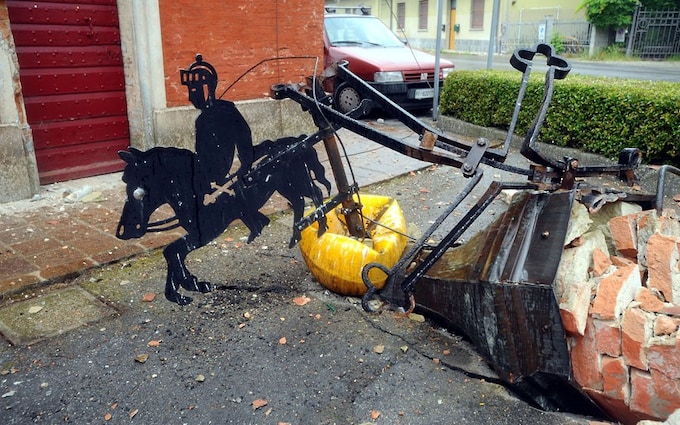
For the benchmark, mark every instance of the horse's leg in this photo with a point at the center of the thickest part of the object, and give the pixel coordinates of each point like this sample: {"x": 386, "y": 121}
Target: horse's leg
{"x": 298, "y": 205}
{"x": 315, "y": 166}
{"x": 178, "y": 274}
{"x": 255, "y": 221}
{"x": 247, "y": 200}
{"x": 174, "y": 254}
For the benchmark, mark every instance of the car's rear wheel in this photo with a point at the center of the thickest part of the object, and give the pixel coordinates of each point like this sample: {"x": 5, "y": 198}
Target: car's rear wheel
{"x": 346, "y": 98}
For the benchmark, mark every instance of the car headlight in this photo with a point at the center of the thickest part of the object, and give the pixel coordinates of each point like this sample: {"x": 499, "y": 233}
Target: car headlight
{"x": 388, "y": 77}
{"x": 446, "y": 72}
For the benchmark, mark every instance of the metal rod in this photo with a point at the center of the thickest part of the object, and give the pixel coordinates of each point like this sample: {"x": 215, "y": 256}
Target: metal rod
{"x": 408, "y": 285}
{"x": 661, "y": 184}
{"x": 350, "y": 208}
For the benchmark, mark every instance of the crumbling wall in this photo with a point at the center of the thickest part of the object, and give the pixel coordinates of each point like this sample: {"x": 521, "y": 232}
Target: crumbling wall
{"x": 18, "y": 169}
{"x": 619, "y": 292}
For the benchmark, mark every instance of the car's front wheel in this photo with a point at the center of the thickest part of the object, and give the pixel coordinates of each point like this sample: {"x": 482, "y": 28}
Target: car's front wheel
{"x": 346, "y": 98}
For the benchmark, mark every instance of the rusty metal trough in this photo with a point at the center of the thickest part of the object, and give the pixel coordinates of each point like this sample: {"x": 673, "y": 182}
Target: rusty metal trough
{"x": 497, "y": 288}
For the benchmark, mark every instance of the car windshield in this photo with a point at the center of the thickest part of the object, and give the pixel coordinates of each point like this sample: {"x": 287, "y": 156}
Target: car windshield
{"x": 360, "y": 30}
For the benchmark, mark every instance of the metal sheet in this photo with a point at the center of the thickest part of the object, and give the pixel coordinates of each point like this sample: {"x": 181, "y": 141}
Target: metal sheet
{"x": 497, "y": 289}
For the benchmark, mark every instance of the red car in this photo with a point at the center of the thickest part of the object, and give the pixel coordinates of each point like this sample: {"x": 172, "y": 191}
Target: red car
{"x": 379, "y": 57}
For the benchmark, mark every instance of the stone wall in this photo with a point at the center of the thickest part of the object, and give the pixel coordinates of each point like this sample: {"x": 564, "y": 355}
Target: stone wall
{"x": 619, "y": 293}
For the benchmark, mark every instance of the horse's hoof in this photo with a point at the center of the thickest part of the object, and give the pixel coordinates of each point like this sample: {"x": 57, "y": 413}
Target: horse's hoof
{"x": 204, "y": 287}
{"x": 253, "y": 235}
{"x": 190, "y": 284}
{"x": 179, "y": 299}
{"x": 182, "y": 300}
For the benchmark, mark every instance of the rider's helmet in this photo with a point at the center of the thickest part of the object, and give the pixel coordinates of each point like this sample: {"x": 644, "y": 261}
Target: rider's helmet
{"x": 201, "y": 79}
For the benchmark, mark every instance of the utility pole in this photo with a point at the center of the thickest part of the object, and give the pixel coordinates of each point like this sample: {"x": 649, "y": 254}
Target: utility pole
{"x": 437, "y": 57}
{"x": 493, "y": 36}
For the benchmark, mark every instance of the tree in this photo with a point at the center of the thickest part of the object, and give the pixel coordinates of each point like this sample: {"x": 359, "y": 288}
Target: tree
{"x": 609, "y": 13}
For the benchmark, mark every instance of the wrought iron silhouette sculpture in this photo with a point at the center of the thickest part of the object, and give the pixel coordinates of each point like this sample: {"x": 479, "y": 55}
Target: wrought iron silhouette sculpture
{"x": 197, "y": 186}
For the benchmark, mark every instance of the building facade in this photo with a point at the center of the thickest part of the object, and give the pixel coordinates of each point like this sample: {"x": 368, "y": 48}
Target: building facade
{"x": 82, "y": 79}
{"x": 466, "y": 24}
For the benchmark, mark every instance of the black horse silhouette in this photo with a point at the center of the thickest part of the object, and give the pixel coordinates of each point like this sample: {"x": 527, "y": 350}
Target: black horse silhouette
{"x": 165, "y": 175}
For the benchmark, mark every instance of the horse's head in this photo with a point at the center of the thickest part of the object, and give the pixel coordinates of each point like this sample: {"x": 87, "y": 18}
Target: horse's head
{"x": 151, "y": 179}
{"x": 141, "y": 200}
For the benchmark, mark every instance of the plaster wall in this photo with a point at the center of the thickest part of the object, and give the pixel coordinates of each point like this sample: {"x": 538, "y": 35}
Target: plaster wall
{"x": 18, "y": 170}
{"x": 268, "y": 119}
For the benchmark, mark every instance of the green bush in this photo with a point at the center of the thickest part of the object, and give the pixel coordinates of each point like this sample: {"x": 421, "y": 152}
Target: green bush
{"x": 599, "y": 115}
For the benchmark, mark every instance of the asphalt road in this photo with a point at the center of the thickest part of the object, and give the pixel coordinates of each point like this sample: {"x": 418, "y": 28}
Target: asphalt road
{"x": 638, "y": 70}
{"x": 247, "y": 353}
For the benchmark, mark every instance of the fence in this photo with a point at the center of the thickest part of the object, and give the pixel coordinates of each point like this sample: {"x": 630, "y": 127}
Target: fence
{"x": 654, "y": 34}
{"x": 574, "y": 35}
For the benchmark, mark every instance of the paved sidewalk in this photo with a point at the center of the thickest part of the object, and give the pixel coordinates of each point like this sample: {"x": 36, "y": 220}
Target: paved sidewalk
{"x": 49, "y": 239}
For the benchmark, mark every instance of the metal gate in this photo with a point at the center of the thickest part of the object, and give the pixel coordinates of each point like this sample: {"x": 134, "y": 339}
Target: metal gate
{"x": 655, "y": 34}
{"x": 71, "y": 72}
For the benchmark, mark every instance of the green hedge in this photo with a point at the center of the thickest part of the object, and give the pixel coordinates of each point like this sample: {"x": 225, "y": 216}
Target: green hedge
{"x": 599, "y": 115}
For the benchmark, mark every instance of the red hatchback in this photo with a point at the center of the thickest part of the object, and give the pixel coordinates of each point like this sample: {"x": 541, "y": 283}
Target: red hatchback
{"x": 379, "y": 57}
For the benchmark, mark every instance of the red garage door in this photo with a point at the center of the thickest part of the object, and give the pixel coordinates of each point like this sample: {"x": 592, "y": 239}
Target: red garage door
{"x": 71, "y": 72}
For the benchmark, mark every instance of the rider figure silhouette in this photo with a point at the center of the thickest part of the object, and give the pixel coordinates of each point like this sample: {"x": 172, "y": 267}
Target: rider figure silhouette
{"x": 220, "y": 131}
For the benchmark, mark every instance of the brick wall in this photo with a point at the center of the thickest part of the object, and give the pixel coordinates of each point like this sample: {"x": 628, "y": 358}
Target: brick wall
{"x": 233, "y": 36}
{"x": 619, "y": 293}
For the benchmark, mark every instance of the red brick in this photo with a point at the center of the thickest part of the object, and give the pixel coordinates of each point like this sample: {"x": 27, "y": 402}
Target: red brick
{"x": 615, "y": 378}
{"x": 667, "y": 391}
{"x": 647, "y": 225}
{"x": 577, "y": 262}
{"x": 648, "y": 300}
{"x": 19, "y": 283}
{"x": 641, "y": 392}
{"x": 237, "y": 34}
{"x": 125, "y": 250}
{"x": 654, "y": 394}
{"x": 14, "y": 265}
{"x": 608, "y": 337}
{"x": 665, "y": 325}
{"x": 669, "y": 223}
{"x": 37, "y": 244}
{"x": 616, "y": 409}
{"x": 158, "y": 240}
{"x": 66, "y": 270}
{"x": 601, "y": 262}
{"x": 585, "y": 360}
{"x": 636, "y": 329}
{"x": 615, "y": 291}
{"x": 662, "y": 267}
{"x": 624, "y": 235}
{"x": 664, "y": 356}
{"x": 621, "y": 261}
{"x": 671, "y": 310}
{"x": 574, "y": 306}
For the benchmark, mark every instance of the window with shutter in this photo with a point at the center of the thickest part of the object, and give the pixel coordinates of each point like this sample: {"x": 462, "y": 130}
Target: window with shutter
{"x": 477, "y": 15}
{"x": 401, "y": 16}
{"x": 422, "y": 14}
